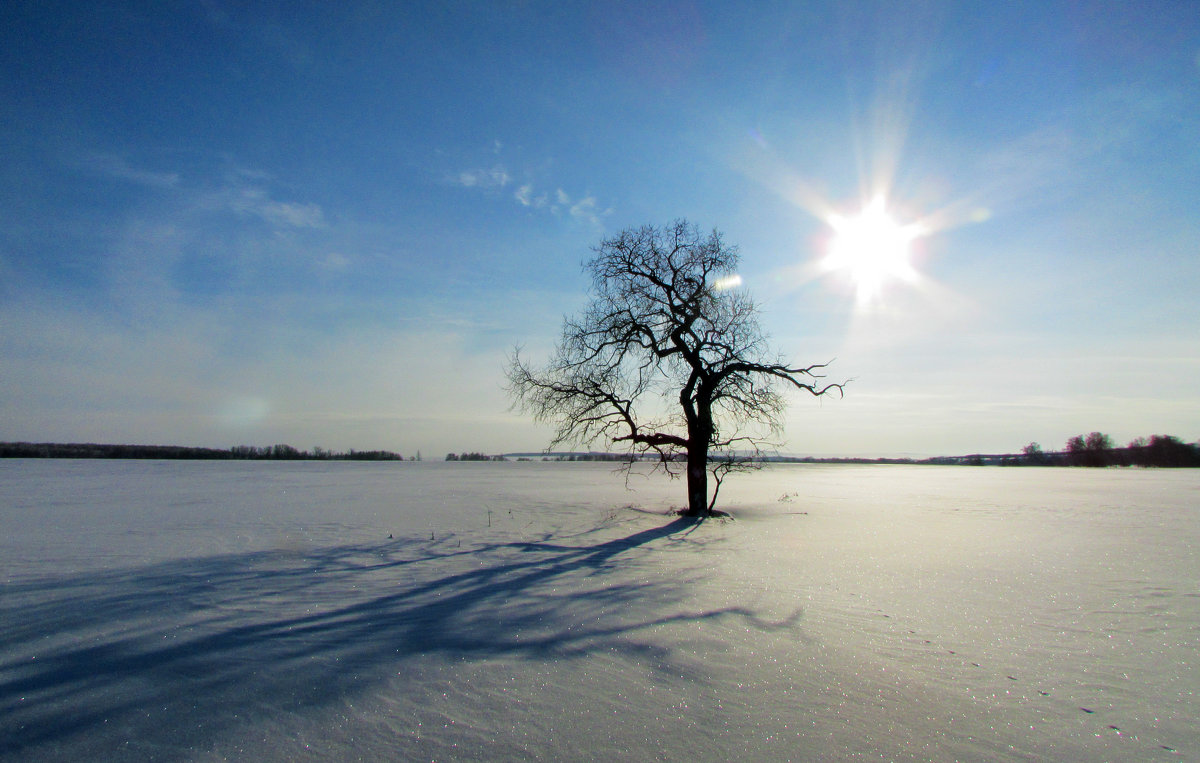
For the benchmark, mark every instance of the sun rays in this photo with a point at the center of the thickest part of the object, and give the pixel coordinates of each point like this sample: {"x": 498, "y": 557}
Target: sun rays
{"x": 871, "y": 249}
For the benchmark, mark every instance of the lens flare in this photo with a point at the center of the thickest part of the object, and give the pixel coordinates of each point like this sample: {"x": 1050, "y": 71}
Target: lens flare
{"x": 728, "y": 282}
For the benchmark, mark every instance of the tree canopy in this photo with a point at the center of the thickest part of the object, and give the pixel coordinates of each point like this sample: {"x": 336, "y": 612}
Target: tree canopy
{"x": 668, "y": 357}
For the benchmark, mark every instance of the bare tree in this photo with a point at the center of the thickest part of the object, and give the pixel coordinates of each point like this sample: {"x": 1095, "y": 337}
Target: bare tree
{"x": 1034, "y": 455}
{"x": 1093, "y": 450}
{"x": 667, "y": 359}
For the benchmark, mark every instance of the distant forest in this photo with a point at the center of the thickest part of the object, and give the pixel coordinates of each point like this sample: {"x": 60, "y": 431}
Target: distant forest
{"x": 236, "y": 453}
{"x": 1095, "y": 449}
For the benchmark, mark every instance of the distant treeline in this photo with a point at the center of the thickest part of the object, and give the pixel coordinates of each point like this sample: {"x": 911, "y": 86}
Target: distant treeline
{"x": 1097, "y": 449}
{"x": 1094, "y": 449}
{"x": 238, "y": 452}
{"x": 588, "y": 456}
{"x": 594, "y": 457}
{"x": 473, "y": 457}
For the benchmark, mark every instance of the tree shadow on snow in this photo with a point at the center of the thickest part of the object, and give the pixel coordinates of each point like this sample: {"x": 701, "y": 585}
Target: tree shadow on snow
{"x": 169, "y": 655}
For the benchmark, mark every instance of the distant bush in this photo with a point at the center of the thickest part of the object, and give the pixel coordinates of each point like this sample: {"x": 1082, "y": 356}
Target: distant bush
{"x": 1093, "y": 450}
{"x": 1163, "y": 450}
{"x": 1033, "y": 455}
{"x": 1096, "y": 449}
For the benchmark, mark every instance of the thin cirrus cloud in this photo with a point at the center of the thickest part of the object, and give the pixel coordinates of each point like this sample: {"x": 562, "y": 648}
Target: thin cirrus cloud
{"x": 496, "y": 177}
{"x": 243, "y": 193}
{"x": 208, "y": 232}
{"x": 114, "y": 166}
{"x": 585, "y": 209}
{"x": 256, "y": 202}
{"x": 557, "y": 202}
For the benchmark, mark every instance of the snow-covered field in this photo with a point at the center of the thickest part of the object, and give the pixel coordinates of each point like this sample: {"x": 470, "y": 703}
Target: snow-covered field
{"x": 479, "y": 611}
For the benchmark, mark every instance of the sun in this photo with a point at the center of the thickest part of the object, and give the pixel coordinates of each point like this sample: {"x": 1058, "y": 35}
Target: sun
{"x": 871, "y": 249}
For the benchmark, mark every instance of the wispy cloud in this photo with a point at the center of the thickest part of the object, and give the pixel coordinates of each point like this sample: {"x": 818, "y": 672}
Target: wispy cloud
{"x": 496, "y": 177}
{"x": 257, "y": 202}
{"x": 528, "y": 194}
{"x": 118, "y": 167}
{"x": 585, "y": 209}
{"x": 525, "y": 197}
{"x": 559, "y": 202}
{"x": 244, "y": 192}
{"x": 335, "y": 261}
{"x": 292, "y": 214}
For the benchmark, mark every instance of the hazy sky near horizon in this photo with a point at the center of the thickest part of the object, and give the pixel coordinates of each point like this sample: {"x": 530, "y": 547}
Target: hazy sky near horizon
{"x": 328, "y": 223}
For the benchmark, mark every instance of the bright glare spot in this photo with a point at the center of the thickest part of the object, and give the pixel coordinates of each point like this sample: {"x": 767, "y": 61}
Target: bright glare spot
{"x": 728, "y": 282}
{"x": 871, "y": 248}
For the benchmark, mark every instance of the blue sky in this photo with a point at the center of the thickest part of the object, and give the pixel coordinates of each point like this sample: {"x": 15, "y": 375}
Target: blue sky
{"x": 327, "y": 224}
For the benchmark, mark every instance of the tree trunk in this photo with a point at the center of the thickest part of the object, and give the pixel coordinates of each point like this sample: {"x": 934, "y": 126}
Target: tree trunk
{"x": 697, "y": 481}
{"x": 698, "y": 413}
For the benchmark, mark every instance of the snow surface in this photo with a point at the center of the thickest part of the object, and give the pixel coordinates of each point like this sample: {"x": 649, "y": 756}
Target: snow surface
{"x": 260, "y": 611}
